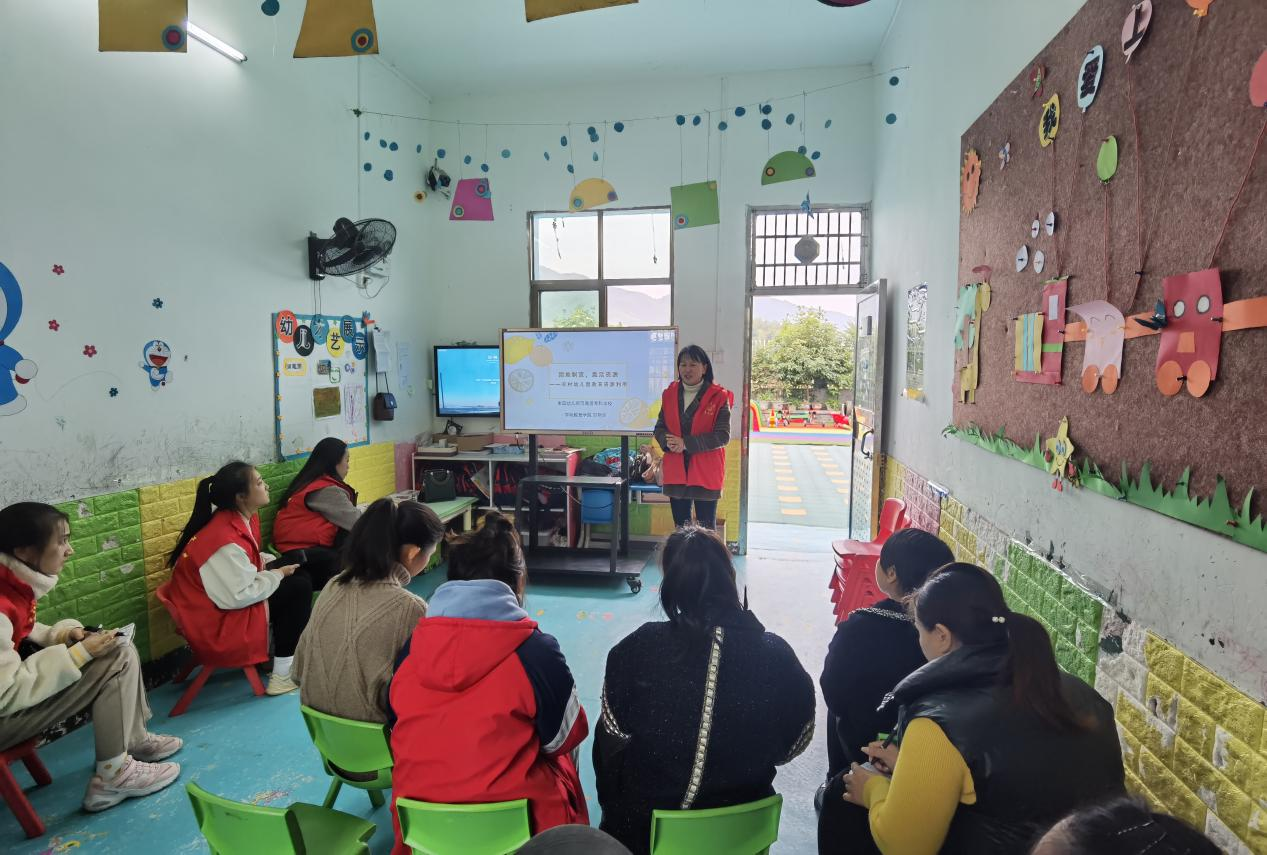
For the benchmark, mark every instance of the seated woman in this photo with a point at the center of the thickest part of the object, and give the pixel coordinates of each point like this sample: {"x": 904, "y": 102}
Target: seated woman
{"x": 699, "y": 710}
{"x": 316, "y": 512}
{"x": 485, "y": 706}
{"x": 997, "y": 743}
{"x": 345, "y": 657}
{"x": 221, "y": 580}
{"x": 70, "y": 669}
{"x": 1123, "y": 827}
{"x": 873, "y": 649}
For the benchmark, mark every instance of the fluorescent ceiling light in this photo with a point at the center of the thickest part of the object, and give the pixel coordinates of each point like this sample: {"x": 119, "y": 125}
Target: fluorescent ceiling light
{"x": 214, "y": 43}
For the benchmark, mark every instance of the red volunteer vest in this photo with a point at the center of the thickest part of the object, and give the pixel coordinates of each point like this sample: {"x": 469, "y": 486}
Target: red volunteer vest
{"x": 299, "y": 527}
{"x": 17, "y": 603}
{"x": 708, "y": 468}
{"x": 220, "y": 638}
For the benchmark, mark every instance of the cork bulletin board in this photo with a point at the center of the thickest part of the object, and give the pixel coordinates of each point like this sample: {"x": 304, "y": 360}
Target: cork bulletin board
{"x": 1190, "y": 89}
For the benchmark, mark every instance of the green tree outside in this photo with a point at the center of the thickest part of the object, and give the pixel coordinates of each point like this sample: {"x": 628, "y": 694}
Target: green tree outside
{"x": 808, "y": 357}
{"x": 581, "y": 316}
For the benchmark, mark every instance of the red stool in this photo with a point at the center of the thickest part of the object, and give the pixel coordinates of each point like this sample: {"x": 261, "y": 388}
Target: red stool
{"x": 853, "y": 580}
{"x": 12, "y": 791}
{"x": 204, "y": 675}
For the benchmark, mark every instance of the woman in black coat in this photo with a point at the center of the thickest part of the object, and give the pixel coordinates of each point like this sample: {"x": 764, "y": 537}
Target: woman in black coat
{"x": 699, "y": 710}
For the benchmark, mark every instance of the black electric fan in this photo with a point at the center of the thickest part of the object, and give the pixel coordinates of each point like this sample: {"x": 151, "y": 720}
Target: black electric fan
{"x": 353, "y": 247}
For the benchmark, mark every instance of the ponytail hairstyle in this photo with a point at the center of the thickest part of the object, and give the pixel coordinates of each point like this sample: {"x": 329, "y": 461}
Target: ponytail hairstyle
{"x": 968, "y": 601}
{"x": 492, "y": 551}
{"x": 372, "y": 550}
{"x": 28, "y": 525}
{"x": 1125, "y": 826}
{"x": 695, "y": 353}
{"x": 325, "y": 457}
{"x": 699, "y": 580}
{"x": 217, "y": 492}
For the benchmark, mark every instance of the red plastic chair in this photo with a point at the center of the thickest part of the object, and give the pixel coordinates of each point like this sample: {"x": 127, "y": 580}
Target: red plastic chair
{"x": 853, "y": 578}
{"x": 204, "y": 675}
{"x": 12, "y": 791}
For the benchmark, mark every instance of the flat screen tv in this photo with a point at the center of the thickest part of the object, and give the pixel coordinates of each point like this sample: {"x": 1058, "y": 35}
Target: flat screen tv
{"x": 468, "y": 380}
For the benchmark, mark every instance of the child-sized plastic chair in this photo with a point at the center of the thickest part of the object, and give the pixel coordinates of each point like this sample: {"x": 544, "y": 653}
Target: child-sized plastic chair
{"x": 11, "y": 791}
{"x": 233, "y": 827}
{"x": 356, "y": 753}
{"x": 747, "y": 829}
{"x": 497, "y": 828}
{"x": 252, "y": 676}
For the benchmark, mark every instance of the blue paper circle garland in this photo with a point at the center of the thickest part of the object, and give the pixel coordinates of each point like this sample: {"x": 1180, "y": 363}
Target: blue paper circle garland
{"x": 681, "y": 120}
{"x": 440, "y": 153}
{"x": 393, "y": 146}
{"x": 505, "y": 152}
{"x": 547, "y": 154}
{"x": 563, "y": 141}
{"x": 891, "y": 119}
{"x": 619, "y": 127}
{"x": 695, "y": 121}
{"x": 270, "y": 7}
{"x": 595, "y": 156}
{"x": 741, "y": 111}
{"x": 483, "y": 167}
{"x": 467, "y": 160}
{"x": 389, "y": 175}
{"x": 791, "y": 118}
{"x": 815, "y": 155}
{"x": 827, "y": 124}
{"x": 382, "y": 143}
{"x": 367, "y": 135}
{"x": 369, "y": 167}
{"x": 765, "y": 124}
{"x": 766, "y": 109}
{"x": 721, "y": 126}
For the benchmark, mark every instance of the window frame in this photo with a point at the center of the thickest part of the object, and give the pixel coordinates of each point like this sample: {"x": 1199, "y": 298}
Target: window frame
{"x": 864, "y": 263}
{"x": 537, "y": 286}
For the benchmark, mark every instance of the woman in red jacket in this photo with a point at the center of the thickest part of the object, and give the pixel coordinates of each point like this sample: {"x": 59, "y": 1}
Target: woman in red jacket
{"x": 221, "y": 580}
{"x": 485, "y": 707}
{"x": 316, "y": 512}
{"x": 694, "y": 430}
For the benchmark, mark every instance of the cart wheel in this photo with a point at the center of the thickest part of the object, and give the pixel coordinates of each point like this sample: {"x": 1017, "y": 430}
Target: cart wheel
{"x": 635, "y": 584}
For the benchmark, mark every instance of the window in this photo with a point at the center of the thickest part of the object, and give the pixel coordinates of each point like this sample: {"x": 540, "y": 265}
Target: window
{"x": 841, "y": 235}
{"x": 602, "y": 268}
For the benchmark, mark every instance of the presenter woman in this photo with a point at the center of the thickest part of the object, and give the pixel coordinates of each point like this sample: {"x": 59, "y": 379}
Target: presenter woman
{"x": 694, "y": 430}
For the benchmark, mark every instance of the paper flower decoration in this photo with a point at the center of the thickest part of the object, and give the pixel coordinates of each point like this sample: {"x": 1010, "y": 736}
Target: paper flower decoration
{"x": 970, "y": 180}
{"x": 90, "y": 351}
{"x": 1060, "y": 449}
{"x": 54, "y": 325}
{"x": 157, "y": 303}
{"x": 58, "y": 269}
{"x": 114, "y": 392}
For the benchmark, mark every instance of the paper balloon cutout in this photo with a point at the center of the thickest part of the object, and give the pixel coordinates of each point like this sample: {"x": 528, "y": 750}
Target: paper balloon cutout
{"x": 1039, "y": 338}
{"x": 1193, "y": 335}
{"x": 1102, "y": 356}
{"x": 1136, "y": 27}
{"x": 591, "y": 193}
{"x": 535, "y": 10}
{"x": 787, "y": 166}
{"x": 1049, "y": 124}
{"x": 694, "y": 205}
{"x": 146, "y": 26}
{"x": 1258, "y": 82}
{"x": 1106, "y": 163}
{"x": 1089, "y": 77}
{"x": 472, "y": 200}
{"x": 1200, "y": 8}
{"x": 337, "y": 28}
{"x": 970, "y": 180}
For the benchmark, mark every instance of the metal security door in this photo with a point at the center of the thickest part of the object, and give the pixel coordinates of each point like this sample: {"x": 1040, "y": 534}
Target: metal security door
{"x": 864, "y": 489}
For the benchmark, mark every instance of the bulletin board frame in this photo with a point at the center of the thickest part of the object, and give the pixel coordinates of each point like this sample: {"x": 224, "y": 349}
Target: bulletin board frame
{"x": 285, "y": 385}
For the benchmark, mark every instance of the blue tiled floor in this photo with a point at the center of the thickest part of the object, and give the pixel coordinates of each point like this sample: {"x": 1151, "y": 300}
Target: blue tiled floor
{"x": 256, "y": 749}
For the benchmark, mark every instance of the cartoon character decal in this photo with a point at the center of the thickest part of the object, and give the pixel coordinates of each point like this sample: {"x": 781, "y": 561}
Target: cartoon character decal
{"x": 13, "y": 366}
{"x": 154, "y": 358}
{"x": 1193, "y": 335}
{"x": 1106, "y": 334}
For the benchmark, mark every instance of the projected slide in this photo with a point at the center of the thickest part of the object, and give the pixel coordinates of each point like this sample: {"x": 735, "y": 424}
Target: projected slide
{"x": 586, "y": 380}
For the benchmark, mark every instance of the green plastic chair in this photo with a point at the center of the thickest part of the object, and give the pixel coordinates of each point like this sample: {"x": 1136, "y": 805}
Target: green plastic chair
{"x": 232, "y": 827}
{"x": 497, "y": 828}
{"x": 350, "y": 747}
{"x": 747, "y": 829}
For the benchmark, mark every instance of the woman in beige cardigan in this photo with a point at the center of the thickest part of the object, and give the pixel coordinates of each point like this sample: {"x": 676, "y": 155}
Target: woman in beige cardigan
{"x": 364, "y": 616}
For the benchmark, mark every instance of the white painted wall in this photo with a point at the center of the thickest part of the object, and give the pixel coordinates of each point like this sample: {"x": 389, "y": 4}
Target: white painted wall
{"x": 195, "y": 180}
{"x": 1186, "y": 584}
{"x": 480, "y": 270}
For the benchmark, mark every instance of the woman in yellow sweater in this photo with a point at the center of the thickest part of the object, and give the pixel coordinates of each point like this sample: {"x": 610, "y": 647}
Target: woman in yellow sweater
{"x": 996, "y": 742}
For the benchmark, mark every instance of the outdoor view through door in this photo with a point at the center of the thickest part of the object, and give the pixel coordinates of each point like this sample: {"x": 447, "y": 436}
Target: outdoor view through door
{"x": 806, "y": 274}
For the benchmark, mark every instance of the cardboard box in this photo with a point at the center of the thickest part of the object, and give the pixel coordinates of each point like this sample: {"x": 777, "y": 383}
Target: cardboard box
{"x": 466, "y": 442}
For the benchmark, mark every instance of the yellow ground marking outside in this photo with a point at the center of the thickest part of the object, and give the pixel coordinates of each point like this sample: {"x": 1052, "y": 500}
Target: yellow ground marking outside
{"x": 841, "y": 490}
{"x": 791, "y": 488}
{"x": 839, "y": 481}
{"x": 793, "y": 499}
{"x": 784, "y": 478}
{"x": 794, "y": 512}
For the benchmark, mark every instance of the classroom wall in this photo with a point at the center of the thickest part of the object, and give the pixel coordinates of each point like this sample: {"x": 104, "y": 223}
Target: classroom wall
{"x": 1201, "y": 593}
{"x": 481, "y": 270}
{"x": 194, "y": 181}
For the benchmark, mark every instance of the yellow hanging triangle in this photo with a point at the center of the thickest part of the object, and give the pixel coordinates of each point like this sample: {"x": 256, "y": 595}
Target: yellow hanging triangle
{"x": 337, "y": 28}
{"x": 538, "y": 9}
{"x": 144, "y": 26}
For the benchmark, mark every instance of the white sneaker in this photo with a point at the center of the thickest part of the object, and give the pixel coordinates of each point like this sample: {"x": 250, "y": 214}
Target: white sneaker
{"x": 156, "y": 747}
{"x": 136, "y": 778}
{"x": 279, "y": 685}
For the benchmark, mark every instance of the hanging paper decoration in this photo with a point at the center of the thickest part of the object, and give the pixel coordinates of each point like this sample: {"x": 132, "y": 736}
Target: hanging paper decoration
{"x": 337, "y": 28}
{"x": 1040, "y": 261}
{"x": 1090, "y": 76}
{"x": 146, "y": 26}
{"x": 1034, "y": 228}
{"x": 1058, "y": 454}
{"x": 285, "y": 324}
{"x": 1106, "y": 163}
{"x": 970, "y": 180}
{"x": 1105, "y": 336}
{"x": 1193, "y": 335}
{"x": 843, "y": 4}
{"x": 1049, "y": 225}
{"x": 1258, "y": 82}
{"x": 974, "y": 299}
{"x": 472, "y": 200}
{"x": 14, "y": 367}
{"x": 1049, "y": 124}
{"x": 787, "y": 166}
{"x": 1200, "y": 8}
{"x": 1022, "y": 258}
{"x": 591, "y": 193}
{"x": 535, "y": 10}
{"x": 806, "y": 249}
{"x": 694, "y": 205}
{"x": 1136, "y": 27}
{"x": 1037, "y": 79}
{"x": 1005, "y": 155}
{"x": 1039, "y": 338}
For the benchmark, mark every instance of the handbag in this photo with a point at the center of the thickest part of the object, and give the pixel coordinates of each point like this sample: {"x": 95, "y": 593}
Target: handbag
{"x": 384, "y": 406}
{"x": 438, "y": 486}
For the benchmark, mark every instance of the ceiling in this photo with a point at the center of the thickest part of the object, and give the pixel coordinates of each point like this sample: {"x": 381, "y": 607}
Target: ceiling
{"x": 454, "y": 48}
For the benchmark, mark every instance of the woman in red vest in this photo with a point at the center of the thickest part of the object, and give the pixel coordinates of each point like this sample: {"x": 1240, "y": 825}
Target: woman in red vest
{"x": 316, "y": 512}
{"x": 694, "y": 430}
{"x": 221, "y": 580}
